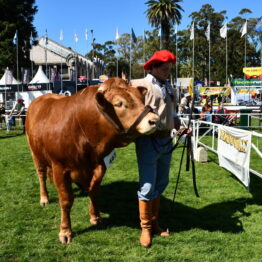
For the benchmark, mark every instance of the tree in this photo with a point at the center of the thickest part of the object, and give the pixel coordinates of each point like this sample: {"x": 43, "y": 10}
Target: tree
{"x": 235, "y": 45}
{"x": 163, "y": 14}
{"x": 16, "y": 15}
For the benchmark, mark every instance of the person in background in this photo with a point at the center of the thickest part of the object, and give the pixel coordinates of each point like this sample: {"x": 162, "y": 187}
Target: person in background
{"x": 154, "y": 151}
{"x": 221, "y": 114}
{"x": 2, "y": 114}
{"x": 185, "y": 101}
{"x": 208, "y": 110}
{"x": 19, "y": 110}
{"x": 203, "y": 114}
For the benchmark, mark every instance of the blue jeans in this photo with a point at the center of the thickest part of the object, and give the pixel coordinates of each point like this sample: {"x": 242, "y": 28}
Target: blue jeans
{"x": 153, "y": 166}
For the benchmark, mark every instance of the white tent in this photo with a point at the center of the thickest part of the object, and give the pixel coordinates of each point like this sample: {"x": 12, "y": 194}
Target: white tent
{"x": 8, "y": 79}
{"x": 40, "y": 77}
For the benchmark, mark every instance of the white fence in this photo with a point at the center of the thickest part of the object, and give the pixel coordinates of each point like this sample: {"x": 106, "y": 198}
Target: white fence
{"x": 203, "y": 128}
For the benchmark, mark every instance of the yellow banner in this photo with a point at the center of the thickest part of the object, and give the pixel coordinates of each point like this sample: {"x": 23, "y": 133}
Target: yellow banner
{"x": 215, "y": 90}
{"x": 252, "y": 71}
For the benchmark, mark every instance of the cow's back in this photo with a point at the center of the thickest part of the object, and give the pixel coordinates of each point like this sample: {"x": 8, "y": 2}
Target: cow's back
{"x": 53, "y": 130}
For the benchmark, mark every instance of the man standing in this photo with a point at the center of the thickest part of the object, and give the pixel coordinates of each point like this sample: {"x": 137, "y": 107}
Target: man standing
{"x": 153, "y": 151}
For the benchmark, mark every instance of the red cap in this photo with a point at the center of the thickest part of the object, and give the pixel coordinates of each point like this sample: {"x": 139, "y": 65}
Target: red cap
{"x": 160, "y": 56}
{"x": 20, "y": 100}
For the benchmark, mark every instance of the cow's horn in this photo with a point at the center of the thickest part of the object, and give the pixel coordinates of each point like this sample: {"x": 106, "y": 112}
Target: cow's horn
{"x": 102, "y": 88}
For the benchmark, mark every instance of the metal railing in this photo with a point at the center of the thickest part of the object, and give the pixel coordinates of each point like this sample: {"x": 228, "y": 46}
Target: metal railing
{"x": 209, "y": 128}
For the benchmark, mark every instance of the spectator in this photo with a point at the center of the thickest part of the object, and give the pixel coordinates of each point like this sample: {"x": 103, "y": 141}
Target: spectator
{"x": 221, "y": 114}
{"x": 203, "y": 114}
{"x": 19, "y": 110}
{"x": 185, "y": 101}
{"x": 207, "y": 111}
{"x": 2, "y": 114}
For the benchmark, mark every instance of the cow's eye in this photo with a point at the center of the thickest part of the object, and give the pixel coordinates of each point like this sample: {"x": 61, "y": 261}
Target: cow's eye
{"x": 119, "y": 104}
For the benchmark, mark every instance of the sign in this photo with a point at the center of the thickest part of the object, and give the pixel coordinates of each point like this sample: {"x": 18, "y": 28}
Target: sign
{"x": 103, "y": 78}
{"x": 215, "y": 90}
{"x": 234, "y": 146}
{"x": 247, "y": 82}
{"x": 109, "y": 159}
{"x": 252, "y": 71}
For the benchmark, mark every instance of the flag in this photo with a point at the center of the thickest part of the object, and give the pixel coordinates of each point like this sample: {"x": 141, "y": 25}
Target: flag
{"x": 61, "y": 35}
{"x": 46, "y": 38}
{"x": 86, "y": 34}
{"x": 160, "y": 32}
{"x": 223, "y": 31}
{"x": 176, "y": 27}
{"x": 207, "y": 33}
{"x": 133, "y": 35}
{"x": 243, "y": 29}
{"x": 259, "y": 25}
{"x": 117, "y": 35}
{"x": 15, "y": 38}
{"x": 76, "y": 37}
{"x": 192, "y": 31}
{"x": 31, "y": 40}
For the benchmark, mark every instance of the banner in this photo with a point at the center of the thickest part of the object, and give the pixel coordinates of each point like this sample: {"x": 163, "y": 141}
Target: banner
{"x": 215, "y": 90}
{"x": 234, "y": 146}
{"x": 247, "y": 82}
{"x": 255, "y": 72}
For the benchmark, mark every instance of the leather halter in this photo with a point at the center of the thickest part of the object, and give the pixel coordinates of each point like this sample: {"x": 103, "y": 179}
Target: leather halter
{"x": 116, "y": 123}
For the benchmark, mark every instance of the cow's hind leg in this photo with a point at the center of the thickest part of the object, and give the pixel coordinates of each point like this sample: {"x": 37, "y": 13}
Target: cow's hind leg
{"x": 94, "y": 192}
{"x": 66, "y": 198}
{"x": 41, "y": 170}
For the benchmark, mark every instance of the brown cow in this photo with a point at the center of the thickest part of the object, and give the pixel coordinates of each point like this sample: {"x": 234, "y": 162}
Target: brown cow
{"x": 70, "y": 136}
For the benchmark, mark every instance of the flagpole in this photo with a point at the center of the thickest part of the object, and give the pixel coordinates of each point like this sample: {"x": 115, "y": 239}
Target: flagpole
{"x": 193, "y": 72}
{"x": 117, "y": 58}
{"x": 144, "y": 56}
{"x": 61, "y": 69}
{"x": 86, "y": 35}
{"x": 209, "y": 62}
{"x": 245, "y": 63}
{"x": 130, "y": 70}
{"x": 161, "y": 38}
{"x": 46, "y": 56}
{"x": 176, "y": 59}
{"x": 226, "y": 61}
{"x": 76, "y": 67}
{"x": 17, "y": 65}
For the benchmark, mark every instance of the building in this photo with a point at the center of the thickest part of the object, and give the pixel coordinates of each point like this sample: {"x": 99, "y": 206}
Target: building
{"x": 52, "y": 56}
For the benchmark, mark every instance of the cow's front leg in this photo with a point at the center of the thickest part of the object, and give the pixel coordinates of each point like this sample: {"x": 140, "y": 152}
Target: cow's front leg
{"x": 66, "y": 199}
{"x": 94, "y": 192}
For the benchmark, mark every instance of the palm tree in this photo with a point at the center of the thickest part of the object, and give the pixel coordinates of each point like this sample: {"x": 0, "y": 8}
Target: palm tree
{"x": 163, "y": 14}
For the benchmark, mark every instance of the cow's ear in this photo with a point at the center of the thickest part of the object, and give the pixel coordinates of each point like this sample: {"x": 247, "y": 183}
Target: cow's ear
{"x": 142, "y": 90}
{"x": 101, "y": 101}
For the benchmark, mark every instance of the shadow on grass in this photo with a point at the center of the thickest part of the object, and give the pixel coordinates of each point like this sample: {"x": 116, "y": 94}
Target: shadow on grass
{"x": 119, "y": 200}
{"x": 9, "y": 135}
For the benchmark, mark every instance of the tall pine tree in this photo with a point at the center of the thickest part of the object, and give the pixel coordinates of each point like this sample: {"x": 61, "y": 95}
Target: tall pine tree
{"x": 16, "y": 15}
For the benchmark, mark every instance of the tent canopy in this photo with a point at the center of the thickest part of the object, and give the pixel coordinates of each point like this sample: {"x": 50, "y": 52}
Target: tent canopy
{"x": 8, "y": 79}
{"x": 40, "y": 77}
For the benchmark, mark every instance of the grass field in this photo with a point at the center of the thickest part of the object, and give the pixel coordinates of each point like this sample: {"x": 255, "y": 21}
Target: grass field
{"x": 222, "y": 225}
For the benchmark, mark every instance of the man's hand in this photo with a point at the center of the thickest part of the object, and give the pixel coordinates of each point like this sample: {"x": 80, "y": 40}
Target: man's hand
{"x": 181, "y": 130}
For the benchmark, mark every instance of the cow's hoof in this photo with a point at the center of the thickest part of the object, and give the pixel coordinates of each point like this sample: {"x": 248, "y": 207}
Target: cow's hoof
{"x": 44, "y": 201}
{"x": 95, "y": 221}
{"x": 65, "y": 238}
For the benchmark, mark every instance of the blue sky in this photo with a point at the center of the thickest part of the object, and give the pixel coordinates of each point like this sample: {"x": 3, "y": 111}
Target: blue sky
{"x": 104, "y": 16}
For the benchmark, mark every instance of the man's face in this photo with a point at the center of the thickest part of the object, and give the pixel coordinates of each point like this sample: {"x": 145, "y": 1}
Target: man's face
{"x": 162, "y": 71}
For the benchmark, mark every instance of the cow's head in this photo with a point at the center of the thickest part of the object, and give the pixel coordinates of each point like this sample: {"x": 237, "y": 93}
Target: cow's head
{"x": 122, "y": 105}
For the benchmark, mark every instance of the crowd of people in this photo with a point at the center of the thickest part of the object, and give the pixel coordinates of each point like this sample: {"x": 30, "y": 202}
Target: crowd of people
{"x": 219, "y": 116}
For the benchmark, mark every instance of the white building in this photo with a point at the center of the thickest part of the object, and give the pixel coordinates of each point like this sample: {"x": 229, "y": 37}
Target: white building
{"x": 52, "y": 55}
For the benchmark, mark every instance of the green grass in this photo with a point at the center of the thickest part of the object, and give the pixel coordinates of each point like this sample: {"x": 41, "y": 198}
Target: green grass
{"x": 222, "y": 225}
